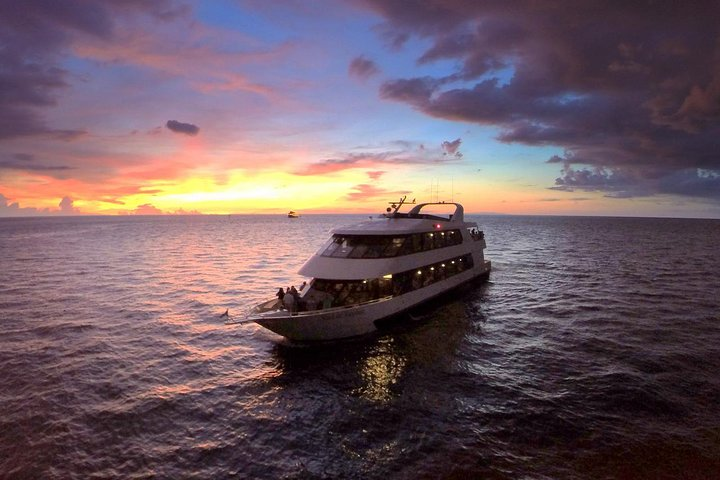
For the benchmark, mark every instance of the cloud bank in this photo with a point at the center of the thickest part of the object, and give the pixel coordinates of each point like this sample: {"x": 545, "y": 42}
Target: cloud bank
{"x": 630, "y": 91}
{"x": 13, "y": 209}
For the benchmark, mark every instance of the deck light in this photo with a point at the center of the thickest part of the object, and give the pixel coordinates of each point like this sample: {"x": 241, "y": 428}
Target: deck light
{"x": 437, "y": 225}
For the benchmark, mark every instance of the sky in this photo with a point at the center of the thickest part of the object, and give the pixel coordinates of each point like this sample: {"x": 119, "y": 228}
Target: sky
{"x": 254, "y": 106}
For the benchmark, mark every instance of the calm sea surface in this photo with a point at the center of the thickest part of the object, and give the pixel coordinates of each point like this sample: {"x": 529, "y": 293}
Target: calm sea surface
{"x": 593, "y": 352}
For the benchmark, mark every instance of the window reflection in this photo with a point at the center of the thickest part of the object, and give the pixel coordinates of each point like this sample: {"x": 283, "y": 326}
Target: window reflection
{"x": 379, "y": 246}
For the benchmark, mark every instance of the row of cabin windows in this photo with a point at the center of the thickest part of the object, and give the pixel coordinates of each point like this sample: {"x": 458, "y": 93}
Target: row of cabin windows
{"x": 337, "y": 293}
{"x": 375, "y": 246}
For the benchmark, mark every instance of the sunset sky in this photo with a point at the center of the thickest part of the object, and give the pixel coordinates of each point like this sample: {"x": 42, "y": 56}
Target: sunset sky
{"x": 569, "y": 108}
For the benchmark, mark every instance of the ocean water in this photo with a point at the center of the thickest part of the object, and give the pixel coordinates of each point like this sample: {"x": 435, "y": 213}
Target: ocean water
{"x": 592, "y": 352}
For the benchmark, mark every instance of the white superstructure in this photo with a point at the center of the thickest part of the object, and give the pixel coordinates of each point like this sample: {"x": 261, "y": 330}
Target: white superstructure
{"x": 377, "y": 269}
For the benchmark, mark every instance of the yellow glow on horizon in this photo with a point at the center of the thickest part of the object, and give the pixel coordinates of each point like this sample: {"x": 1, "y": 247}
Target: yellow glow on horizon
{"x": 237, "y": 191}
{"x": 261, "y": 193}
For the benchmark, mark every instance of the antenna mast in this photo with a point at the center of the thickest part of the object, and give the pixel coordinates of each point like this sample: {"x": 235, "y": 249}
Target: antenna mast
{"x": 436, "y": 184}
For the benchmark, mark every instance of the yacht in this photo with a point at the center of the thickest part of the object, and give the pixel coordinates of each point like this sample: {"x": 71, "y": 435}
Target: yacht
{"x": 377, "y": 269}
{"x": 293, "y": 214}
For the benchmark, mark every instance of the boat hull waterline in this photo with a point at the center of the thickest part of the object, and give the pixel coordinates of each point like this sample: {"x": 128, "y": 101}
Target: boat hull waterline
{"x": 355, "y": 320}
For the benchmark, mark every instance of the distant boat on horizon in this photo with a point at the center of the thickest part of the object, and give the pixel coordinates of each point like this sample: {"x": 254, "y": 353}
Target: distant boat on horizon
{"x": 293, "y": 214}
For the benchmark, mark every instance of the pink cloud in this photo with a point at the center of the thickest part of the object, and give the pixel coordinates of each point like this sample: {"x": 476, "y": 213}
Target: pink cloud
{"x": 147, "y": 209}
{"x": 215, "y": 68}
{"x": 366, "y": 192}
{"x": 408, "y": 153}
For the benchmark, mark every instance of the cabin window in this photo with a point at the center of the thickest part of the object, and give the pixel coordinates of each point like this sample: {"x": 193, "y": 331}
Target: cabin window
{"x": 343, "y": 248}
{"x": 454, "y": 237}
{"x": 394, "y": 247}
{"x": 332, "y": 246}
{"x": 376, "y": 246}
{"x": 325, "y": 293}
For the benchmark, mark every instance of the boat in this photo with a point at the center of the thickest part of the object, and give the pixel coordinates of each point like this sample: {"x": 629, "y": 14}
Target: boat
{"x": 373, "y": 271}
{"x": 293, "y": 214}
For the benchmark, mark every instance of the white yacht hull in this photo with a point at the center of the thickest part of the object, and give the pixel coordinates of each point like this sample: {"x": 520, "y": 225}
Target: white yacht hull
{"x": 353, "y": 320}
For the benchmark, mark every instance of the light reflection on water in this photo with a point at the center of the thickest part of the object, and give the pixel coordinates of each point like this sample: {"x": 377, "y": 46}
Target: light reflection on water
{"x": 380, "y": 371}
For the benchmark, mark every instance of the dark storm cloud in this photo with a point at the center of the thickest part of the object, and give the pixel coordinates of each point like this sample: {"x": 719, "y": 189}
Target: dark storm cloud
{"x": 362, "y": 68}
{"x": 33, "y": 36}
{"x": 630, "y": 91}
{"x": 184, "y": 128}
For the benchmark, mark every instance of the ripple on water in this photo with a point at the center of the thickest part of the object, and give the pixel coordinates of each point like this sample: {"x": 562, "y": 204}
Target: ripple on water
{"x": 574, "y": 361}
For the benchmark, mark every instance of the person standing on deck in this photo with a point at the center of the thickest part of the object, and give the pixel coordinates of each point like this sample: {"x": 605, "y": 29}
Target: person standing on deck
{"x": 296, "y": 297}
{"x": 289, "y": 301}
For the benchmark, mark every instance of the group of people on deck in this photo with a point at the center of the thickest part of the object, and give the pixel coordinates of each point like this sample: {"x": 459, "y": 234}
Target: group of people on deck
{"x": 291, "y": 300}
{"x": 290, "y": 297}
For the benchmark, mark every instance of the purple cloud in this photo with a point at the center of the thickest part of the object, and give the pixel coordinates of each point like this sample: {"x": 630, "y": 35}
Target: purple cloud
{"x": 34, "y": 36}
{"x": 184, "y": 128}
{"x": 362, "y": 68}
{"x": 629, "y": 91}
{"x": 452, "y": 148}
{"x": 66, "y": 206}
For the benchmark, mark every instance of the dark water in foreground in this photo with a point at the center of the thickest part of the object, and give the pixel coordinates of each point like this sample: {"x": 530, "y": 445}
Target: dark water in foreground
{"x": 593, "y": 352}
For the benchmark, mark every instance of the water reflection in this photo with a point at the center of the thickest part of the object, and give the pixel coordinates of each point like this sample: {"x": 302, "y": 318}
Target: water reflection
{"x": 380, "y": 371}
{"x": 380, "y": 368}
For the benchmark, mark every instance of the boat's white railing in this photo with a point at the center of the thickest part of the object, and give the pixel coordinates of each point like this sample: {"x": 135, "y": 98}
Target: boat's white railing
{"x": 458, "y": 215}
{"x": 318, "y": 311}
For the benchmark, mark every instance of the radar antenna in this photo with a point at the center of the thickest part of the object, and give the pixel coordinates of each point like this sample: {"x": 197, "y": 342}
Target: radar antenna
{"x": 395, "y": 206}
